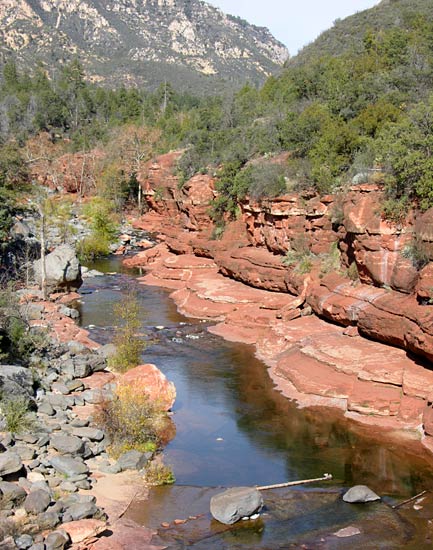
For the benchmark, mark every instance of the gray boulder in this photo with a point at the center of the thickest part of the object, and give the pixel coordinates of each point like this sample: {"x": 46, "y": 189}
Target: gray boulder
{"x": 133, "y": 460}
{"x": 89, "y": 433}
{"x": 10, "y": 463}
{"x": 16, "y": 381}
{"x": 56, "y": 540}
{"x": 67, "y": 466}
{"x": 67, "y": 444}
{"x": 360, "y": 493}
{"x": 11, "y": 492}
{"x": 232, "y": 505}
{"x": 37, "y": 502}
{"x": 82, "y": 510}
{"x": 62, "y": 268}
{"x": 23, "y": 542}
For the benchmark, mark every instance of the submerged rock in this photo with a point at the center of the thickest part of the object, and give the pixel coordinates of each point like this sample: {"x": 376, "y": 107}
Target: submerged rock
{"x": 232, "y": 505}
{"x": 360, "y": 493}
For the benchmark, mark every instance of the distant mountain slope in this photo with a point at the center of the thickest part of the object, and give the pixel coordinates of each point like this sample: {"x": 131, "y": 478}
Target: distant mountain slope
{"x": 348, "y": 33}
{"x": 188, "y": 42}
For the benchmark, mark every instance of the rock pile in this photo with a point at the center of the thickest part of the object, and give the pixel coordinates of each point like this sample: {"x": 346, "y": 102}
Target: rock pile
{"x": 47, "y": 469}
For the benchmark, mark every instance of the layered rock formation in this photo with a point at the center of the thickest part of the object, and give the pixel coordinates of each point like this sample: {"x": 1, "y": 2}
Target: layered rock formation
{"x": 241, "y": 281}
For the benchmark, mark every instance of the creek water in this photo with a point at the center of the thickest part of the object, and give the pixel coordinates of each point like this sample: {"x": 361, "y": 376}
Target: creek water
{"x": 234, "y": 429}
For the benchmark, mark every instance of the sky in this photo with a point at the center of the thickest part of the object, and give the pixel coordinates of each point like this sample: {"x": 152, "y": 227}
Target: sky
{"x": 294, "y": 22}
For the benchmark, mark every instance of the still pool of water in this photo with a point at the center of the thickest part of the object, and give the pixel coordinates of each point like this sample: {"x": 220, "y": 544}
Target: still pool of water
{"x": 233, "y": 428}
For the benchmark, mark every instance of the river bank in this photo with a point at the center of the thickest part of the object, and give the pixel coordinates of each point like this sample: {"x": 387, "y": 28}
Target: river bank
{"x": 310, "y": 360}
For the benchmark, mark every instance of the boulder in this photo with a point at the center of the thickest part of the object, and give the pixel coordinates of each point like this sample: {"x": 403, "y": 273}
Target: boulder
{"x": 232, "y": 505}
{"x": 68, "y": 466}
{"x": 63, "y": 270}
{"x": 56, "y": 540}
{"x": 133, "y": 460}
{"x": 84, "y": 529}
{"x": 150, "y": 380}
{"x": 360, "y": 493}
{"x": 16, "y": 381}
{"x": 12, "y": 492}
{"x": 37, "y": 502}
{"x": 89, "y": 433}
{"x": 67, "y": 444}
{"x": 10, "y": 463}
{"x": 82, "y": 510}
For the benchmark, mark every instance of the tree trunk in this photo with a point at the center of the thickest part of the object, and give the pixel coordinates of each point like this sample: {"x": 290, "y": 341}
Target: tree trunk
{"x": 43, "y": 264}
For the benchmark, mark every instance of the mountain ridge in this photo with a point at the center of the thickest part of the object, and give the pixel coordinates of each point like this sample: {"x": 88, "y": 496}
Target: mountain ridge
{"x": 140, "y": 42}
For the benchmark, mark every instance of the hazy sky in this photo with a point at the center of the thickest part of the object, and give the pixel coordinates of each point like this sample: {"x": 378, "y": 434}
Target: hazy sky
{"x": 293, "y": 22}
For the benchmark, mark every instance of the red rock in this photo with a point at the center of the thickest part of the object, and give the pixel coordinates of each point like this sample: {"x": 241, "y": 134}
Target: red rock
{"x": 98, "y": 380}
{"x": 427, "y": 419}
{"x": 144, "y": 243}
{"x": 309, "y": 375}
{"x": 149, "y": 379}
{"x": 411, "y": 410}
{"x": 84, "y": 529}
{"x": 372, "y": 398}
{"x": 127, "y": 535}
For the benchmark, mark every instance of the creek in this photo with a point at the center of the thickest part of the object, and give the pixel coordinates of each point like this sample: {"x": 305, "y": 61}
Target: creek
{"x": 233, "y": 429}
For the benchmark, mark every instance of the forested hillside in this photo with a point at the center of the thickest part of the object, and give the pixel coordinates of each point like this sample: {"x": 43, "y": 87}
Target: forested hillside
{"x": 362, "y": 111}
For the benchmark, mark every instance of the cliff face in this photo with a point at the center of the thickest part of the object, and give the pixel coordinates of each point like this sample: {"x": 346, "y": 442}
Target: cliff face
{"x": 261, "y": 300}
{"x": 140, "y": 41}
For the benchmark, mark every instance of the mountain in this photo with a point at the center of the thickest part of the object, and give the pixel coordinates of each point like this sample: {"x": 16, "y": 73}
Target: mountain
{"x": 347, "y": 34}
{"x": 190, "y": 43}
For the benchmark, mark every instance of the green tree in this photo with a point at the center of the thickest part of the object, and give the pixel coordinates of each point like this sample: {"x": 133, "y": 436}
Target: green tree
{"x": 407, "y": 149}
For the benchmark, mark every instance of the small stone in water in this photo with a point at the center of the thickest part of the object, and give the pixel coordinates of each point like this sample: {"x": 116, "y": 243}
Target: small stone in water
{"x": 165, "y": 525}
{"x": 219, "y": 439}
{"x": 347, "y": 532}
{"x": 160, "y": 327}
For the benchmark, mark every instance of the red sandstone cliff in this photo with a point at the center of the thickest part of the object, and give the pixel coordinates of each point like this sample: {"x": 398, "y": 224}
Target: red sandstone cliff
{"x": 388, "y": 301}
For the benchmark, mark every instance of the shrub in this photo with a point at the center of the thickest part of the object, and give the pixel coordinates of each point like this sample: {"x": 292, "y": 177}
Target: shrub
{"x": 352, "y": 272}
{"x": 100, "y": 214}
{"x": 16, "y": 415}
{"x": 92, "y": 246}
{"x": 131, "y": 421}
{"x": 395, "y": 210}
{"x": 158, "y": 473}
{"x": 17, "y": 340}
{"x": 299, "y": 256}
{"x": 416, "y": 252}
{"x": 331, "y": 262}
{"x": 266, "y": 180}
{"x": 129, "y": 346}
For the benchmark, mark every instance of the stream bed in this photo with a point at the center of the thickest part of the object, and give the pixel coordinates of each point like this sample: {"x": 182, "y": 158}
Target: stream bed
{"x": 234, "y": 429}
